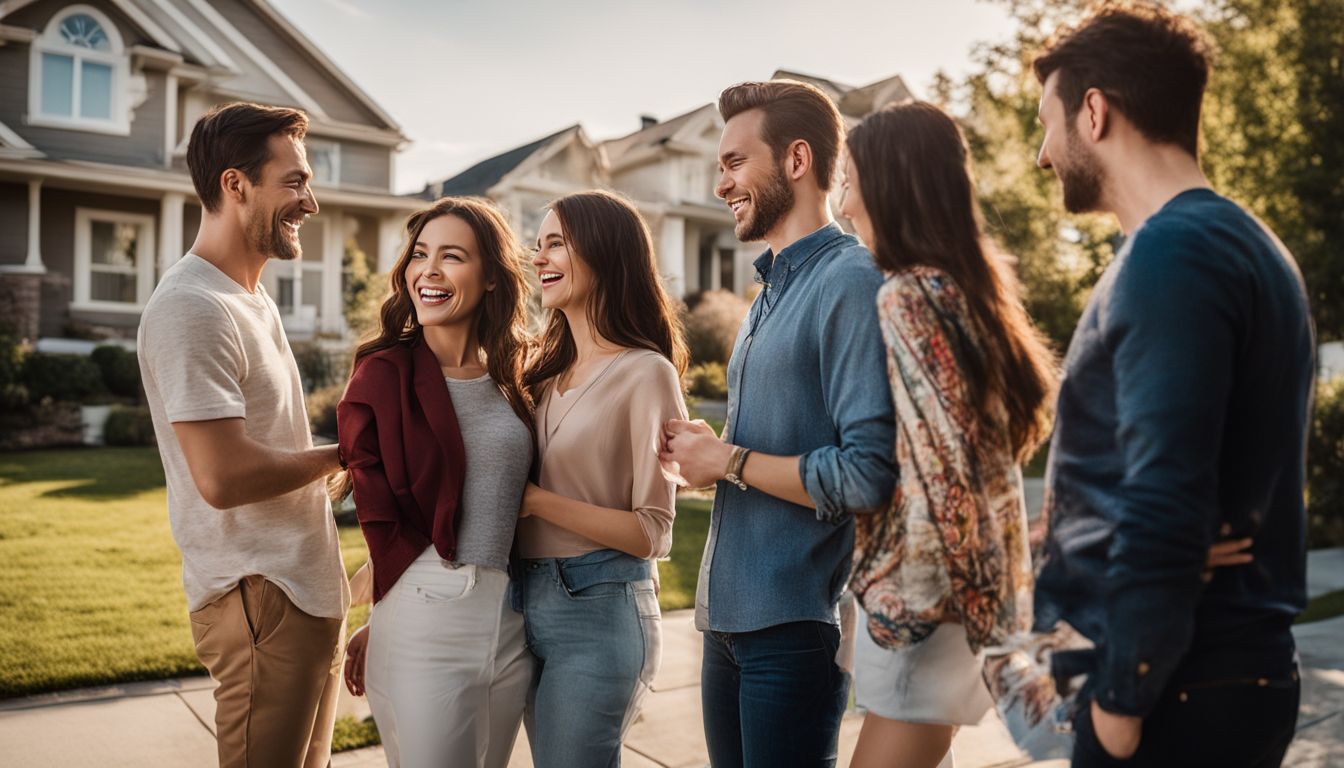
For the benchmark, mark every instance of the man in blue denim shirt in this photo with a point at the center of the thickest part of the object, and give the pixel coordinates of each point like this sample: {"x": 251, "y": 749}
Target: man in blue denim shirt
{"x": 808, "y": 400}
{"x": 1182, "y": 416}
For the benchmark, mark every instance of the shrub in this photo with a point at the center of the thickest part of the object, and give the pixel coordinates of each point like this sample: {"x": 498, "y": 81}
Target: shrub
{"x": 1325, "y": 467}
{"x": 317, "y": 367}
{"x": 322, "y": 409}
{"x": 120, "y": 370}
{"x": 712, "y": 321}
{"x": 128, "y": 426}
{"x": 708, "y": 380}
{"x": 13, "y": 393}
{"x": 72, "y": 378}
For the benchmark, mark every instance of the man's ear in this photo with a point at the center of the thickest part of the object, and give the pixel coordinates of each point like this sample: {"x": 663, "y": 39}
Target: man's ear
{"x": 235, "y": 185}
{"x": 798, "y": 160}
{"x": 1095, "y": 115}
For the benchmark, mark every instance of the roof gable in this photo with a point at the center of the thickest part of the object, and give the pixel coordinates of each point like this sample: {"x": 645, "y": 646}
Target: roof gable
{"x": 479, "y": 178}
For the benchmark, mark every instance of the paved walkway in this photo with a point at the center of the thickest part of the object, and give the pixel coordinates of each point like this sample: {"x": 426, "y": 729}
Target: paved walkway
{"x": 170, "y": 723}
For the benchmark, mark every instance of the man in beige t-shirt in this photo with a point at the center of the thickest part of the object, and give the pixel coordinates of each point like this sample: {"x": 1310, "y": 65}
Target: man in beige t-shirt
{"x": 261, "y": 562}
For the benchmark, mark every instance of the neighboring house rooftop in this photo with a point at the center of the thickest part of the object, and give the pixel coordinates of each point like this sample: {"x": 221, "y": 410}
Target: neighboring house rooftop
{"x": 479, "y": 178}
{"x": 650, "y": 136}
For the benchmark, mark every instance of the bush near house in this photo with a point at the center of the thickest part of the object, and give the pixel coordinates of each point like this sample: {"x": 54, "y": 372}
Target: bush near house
{"x": 318, "y": 368}
{"x": 120, "y": 370}
{"x": 129, "y": 426}
{"x": 1325, "y": 468}
{"x": 70, "y": 378}
{"x": 712, "y": 321}
{"x": 707, "y": 380}
{"x": 322, "y": 409}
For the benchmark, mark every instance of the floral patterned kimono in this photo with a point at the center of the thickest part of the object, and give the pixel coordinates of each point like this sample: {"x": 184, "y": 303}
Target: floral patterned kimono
{"x": 953, "y": 545}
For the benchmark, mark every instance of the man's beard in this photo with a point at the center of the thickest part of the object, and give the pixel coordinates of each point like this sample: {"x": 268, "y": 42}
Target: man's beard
{"x": 267, "y": 236}
{"x": 1081, "y": 176}
{"x": 769, "y": 204}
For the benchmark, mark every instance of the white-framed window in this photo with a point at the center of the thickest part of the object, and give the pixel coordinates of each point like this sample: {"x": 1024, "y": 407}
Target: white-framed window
{"x": 324, "y": 157}
{"x": 77, "y": 74}
{"x": 114, "y": 260}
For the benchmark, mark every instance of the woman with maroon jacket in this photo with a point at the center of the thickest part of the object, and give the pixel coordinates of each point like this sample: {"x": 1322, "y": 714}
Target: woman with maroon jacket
{"x": 435, "y": 432}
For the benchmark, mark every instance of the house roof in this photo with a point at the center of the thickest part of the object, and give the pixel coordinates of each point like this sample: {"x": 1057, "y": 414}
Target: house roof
{"x": 830, "y": 87}
{"x": 658, "y": 133}
{"x": 479, "y": 178}
{"x": 236, "y": 44}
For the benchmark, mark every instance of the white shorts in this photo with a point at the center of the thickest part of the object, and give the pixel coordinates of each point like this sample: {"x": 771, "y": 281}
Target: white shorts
{"x": 937, "y": 681}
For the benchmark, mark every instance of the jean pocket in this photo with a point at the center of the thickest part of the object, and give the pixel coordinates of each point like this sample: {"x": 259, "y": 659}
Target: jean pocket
{"x": 446, "y": 586}
{"x": 646, "y": 600}
{"x": 599, "y": 591}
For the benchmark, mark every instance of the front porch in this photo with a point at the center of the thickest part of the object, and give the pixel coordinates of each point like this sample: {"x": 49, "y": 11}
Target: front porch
{"x": 82, "y": 246}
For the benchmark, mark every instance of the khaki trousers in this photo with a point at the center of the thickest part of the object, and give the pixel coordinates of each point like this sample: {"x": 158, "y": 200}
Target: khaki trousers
{"x": 278, "y": 670}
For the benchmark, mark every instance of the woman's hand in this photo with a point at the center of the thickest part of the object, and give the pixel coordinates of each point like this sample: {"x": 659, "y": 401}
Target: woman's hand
{"x": 1227, "y": 553}
{"x": 531, "y": 496}
{"x": 355, "y": 650}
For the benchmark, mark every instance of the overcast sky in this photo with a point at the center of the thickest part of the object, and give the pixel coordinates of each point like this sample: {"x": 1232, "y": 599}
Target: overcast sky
{"x": 466, "y": 80}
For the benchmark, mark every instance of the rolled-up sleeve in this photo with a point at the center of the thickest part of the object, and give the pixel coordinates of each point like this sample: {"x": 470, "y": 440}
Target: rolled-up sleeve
{"x": 856, "y": 474}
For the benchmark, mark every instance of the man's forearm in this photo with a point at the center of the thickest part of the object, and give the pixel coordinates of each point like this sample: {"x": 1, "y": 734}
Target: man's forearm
{"x": 777, "y": 476}
{"x": 268, "y": 473}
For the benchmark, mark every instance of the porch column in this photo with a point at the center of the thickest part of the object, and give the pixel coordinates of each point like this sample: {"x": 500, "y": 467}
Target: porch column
{"x": 332, "y": 307}
{"x": 33, "y": 262}
{"x": 389, "y": 241}
{"x": 170, "y": 230}
{"x": 672, "y": 255}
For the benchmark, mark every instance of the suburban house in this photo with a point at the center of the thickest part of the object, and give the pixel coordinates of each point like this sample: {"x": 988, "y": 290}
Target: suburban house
{"x": 668, "y": 169}
{"x": 97, "y": 100}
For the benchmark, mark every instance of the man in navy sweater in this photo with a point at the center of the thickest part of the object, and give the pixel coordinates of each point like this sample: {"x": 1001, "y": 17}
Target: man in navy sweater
{"x": 1182, "y": 417}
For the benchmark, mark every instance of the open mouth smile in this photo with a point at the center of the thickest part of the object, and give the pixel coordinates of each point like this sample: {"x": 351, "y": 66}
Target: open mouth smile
{"x": 549, "y": 278}
{"x": 432, "y": 297}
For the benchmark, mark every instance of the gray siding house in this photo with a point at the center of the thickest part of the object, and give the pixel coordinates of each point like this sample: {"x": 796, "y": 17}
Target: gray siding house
{"x": 97, "y": 100}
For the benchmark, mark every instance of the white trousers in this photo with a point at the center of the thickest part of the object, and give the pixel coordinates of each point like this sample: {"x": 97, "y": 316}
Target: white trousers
{"x": 447, "y": 670}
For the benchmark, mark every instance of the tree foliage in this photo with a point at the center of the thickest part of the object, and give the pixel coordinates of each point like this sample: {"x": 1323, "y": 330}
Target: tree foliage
{"x": 1273, "y": 140}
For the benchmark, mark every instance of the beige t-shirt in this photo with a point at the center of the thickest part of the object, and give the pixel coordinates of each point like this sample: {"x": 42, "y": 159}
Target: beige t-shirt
{"x": 599, "y": 444}
{"x": 209, "y": 349}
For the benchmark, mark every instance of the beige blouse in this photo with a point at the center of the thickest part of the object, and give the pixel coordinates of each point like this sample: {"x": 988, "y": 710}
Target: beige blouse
{"x": 599, "y": 444}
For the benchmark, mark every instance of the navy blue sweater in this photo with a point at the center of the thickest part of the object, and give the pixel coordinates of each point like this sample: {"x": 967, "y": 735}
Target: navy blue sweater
{"x": 1184, "y": 407}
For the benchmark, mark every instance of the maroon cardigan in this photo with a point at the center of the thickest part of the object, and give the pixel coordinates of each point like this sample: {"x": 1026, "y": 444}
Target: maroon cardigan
{"x": 399, "y": 438}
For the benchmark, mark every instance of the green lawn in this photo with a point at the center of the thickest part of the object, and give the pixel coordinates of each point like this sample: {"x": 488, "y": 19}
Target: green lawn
{"x": 91, "y": 583}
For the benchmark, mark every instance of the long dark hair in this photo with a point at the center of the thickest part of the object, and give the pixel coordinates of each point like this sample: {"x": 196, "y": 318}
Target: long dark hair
{"x": 915, "y": 177}
{"x": 628, "y": 305}
{"x": 501, "y": 324}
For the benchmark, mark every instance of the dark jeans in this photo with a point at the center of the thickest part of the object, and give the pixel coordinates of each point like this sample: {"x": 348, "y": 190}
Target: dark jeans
{"x": 773, "y": 697}
{"x": 1228, "y": 710}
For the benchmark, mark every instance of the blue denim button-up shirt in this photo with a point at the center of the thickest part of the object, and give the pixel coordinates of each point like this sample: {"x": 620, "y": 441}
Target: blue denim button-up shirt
{"x": 1184, "y": 407}
{"x": 807, "y": 378}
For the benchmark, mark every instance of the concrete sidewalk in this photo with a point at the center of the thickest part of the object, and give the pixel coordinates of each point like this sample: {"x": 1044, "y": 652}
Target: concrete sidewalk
{"x": 171, "y": 722}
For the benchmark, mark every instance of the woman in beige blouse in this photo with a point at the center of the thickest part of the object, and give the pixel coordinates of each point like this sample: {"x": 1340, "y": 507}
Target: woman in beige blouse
{"x": 605, "y": 379}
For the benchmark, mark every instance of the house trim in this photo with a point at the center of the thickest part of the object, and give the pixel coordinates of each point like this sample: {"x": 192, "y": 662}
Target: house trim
{"x": 144, "y": 260}
{"x": 284, "y": 24}
{"x": 212, "y": 49}
{"x": 118, "y": 59}
{"x": 269, "y": 67}
{"x": 133, "y": 12}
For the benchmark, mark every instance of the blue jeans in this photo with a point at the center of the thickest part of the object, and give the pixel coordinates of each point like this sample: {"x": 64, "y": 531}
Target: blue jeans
{"x": 773, "y": 697}
{"x": 594, "y": 626}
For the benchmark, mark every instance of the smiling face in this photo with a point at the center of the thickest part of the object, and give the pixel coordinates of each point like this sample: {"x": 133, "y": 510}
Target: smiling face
{"x": 751, "y": 179}
{"x": 1064, "y": 149}
{"x": 445, "y": 274}
{"x": 280, "y": 201}
{"x": 852, "y": 206}
{"x": 566, "y": 281}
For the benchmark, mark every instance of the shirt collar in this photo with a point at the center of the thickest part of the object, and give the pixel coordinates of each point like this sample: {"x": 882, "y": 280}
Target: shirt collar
{"x": 797, "y": 253}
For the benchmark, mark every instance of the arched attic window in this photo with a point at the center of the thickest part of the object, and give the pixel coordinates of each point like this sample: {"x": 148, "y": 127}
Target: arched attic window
{"x": 78, "y": 73}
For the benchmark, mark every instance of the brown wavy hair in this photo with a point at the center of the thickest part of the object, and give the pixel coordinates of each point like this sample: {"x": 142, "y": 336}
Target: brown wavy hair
{"x": 501, "y": 327}
{"x": 628, "y": 305}
{"x": 915, "y": 177}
